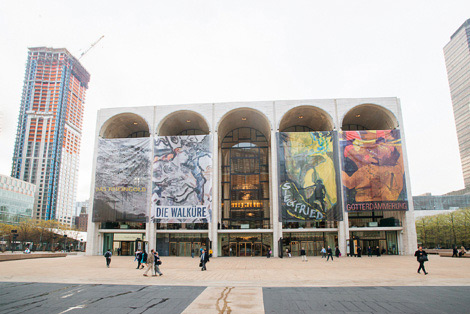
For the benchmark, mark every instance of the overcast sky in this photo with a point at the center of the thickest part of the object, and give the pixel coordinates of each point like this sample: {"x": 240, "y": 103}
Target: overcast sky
{"x": 177, "y": 52}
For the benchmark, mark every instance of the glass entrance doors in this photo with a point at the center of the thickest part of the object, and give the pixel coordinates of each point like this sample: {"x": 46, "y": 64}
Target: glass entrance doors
{"x": 182, "y": 248}
{"x": 246, "y": 249}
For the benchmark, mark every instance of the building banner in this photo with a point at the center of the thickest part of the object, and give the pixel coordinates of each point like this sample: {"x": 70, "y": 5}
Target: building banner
{"x": 307, "y": 177}
{"x": 373, "y": 171}
{"x": 122, "y": 180}
{"x": 182, "y": 179}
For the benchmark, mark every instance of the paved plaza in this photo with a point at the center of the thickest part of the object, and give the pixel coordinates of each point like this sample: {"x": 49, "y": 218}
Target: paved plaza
{"x": 386, "y": 284}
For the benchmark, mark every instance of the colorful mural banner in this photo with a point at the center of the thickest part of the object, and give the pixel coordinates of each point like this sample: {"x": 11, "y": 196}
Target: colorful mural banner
{"x": 182, "y": 179}
{"x": 308, "y": 180}
{"x": 373, "y": 171}
{"x": 122, "y": 180}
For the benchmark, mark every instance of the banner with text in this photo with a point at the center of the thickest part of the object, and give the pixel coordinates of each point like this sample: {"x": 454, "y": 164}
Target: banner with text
{"x": 373, "y": 171}
{"x": 182, "y": 179}
{"x": 122, "y": 180}
{"x": 307, "y": 176}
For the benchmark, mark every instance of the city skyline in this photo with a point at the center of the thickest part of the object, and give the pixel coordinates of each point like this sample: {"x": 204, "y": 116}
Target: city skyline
{"x": 159, "y": 54}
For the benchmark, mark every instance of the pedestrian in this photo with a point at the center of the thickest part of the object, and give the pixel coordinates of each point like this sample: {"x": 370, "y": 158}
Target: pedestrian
{"x": 143, "y": 259}
{"x": 329, "y": 252}
{"x": 150, "y": 261}
{"x": 359, "y": 251}
{"x": 158, "y": 262}
{"x": 268, "y": 254}
{"x": 337, "y": 252}
{"x": 304, "y": 256}
{"x": 455, "y": 252}
{"x": 288, "y": 253}
{"x": 210, "y": 253}
{"x": 204, "y": 258}
{"x": 462, "y": 251}
{"x": 108, "y": 255}
{"x": 421, "y": 257}
{"x": 377, "y": 251}
{"x": 369, "y": 251}
{"x": 138, "y": 258}
{"x": 323, "y": 252}
{"x": 118, "y": 251}
{"x": 192, "y": 253}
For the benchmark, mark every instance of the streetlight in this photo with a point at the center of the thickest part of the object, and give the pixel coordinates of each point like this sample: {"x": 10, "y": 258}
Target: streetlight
{"x": 65, "y": 242}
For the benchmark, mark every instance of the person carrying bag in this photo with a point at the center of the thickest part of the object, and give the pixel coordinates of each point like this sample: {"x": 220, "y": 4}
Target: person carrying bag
{"x": 421, "y": 257}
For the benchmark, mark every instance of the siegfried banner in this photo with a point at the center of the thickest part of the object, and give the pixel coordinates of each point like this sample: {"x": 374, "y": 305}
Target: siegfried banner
{"x": 122, "y": 180}
{"x": 373, "y": 171}
{"x": 308, "y": 180}
{"x": 182, "y": 179}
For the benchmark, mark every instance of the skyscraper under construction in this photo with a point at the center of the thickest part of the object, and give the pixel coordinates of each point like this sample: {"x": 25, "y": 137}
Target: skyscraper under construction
{"x": 47, "y": 146}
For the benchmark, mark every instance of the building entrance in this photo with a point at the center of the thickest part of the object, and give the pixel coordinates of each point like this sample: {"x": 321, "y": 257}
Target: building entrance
{"x": 175, "y": 244}
{"x": 245, "y": 244}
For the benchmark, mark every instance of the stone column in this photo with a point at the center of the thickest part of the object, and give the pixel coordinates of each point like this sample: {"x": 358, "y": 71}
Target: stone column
{"x": 213, "y": 226}
{"x": 273, "y": 176}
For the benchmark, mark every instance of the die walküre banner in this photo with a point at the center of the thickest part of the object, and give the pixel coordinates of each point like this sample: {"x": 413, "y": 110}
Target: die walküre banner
{"x": 373, "y": 171}
{"x": 181, "y": 180}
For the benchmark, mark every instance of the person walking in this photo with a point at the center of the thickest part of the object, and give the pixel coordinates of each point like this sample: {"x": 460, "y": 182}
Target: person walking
{"x": 455, "y": 252}
{"x": 108, "y": 255}
{"x": 359, "y": 251}
{"x": 337, "y": 252}
{"x": 268, "y": 254}
{"x": 204, "y": 258}
{"x": 304, "y": 256}
{"x": 421, "y": 257}
{"x": 369, "y": 251}
{"x": 144, "y": 259}
{"x": 192, "y": 253}
{"x": 150, "y": 263}
{"x": 377, "y": 251}
{"x": 158, "y": 262}
{"x": 138, "y": 257}
{"x": 323, "y": 252}
{"x": 329, "y": 252}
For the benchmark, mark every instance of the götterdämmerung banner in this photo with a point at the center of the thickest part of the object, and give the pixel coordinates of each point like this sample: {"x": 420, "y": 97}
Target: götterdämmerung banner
{"x": 182, "y": 184}
{"x": 308, "y": 180}
{"x": 121, "y": 180}
{"x": 373, "y": 171}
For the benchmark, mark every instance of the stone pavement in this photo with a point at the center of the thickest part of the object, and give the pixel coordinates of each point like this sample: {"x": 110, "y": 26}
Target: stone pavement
{"x": 241, "y": 285}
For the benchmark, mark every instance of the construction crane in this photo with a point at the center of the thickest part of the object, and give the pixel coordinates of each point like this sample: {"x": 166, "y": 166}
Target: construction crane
{"x": 92, "y": 45}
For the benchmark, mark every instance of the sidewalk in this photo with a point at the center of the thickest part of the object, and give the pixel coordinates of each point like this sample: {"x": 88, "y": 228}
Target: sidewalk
{"x": 244, "y": 271}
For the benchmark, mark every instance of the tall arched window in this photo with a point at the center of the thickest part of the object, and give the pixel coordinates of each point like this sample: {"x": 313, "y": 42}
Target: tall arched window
{"x": 245, "y": 180}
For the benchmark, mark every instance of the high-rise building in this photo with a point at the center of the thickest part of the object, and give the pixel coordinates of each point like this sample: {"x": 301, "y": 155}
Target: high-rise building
{"x": 457, "y": 56}
{"x": 49, "y": 131}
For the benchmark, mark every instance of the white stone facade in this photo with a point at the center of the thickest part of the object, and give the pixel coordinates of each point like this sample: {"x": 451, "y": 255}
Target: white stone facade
{"x": 268, "y": 117}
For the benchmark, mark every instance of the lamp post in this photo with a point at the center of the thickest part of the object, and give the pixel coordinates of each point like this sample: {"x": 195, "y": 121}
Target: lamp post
{"x": 14, "y": 235}
{"x": 65, "y": 242}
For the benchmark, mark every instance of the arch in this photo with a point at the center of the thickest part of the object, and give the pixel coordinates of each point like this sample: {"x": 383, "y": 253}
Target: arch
{"x": 176, "y": 123}
{"x": 306, "y": 118}
{"x": 125, "y": 125}
{"x": 244, "y": 118}
{"x": 369, "y": 117}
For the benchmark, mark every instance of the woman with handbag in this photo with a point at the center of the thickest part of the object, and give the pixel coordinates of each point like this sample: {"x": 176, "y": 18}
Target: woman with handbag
{"x": 422, "y": 257}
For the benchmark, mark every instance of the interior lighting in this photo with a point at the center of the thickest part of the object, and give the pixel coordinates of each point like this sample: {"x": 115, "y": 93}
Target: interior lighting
{"x": 243, "y": 119}
{"x": 358, "y": 115}
{"x": 135, "y": 123}
{"x": 301, "y": 117}
{"x": 188, "y": 121}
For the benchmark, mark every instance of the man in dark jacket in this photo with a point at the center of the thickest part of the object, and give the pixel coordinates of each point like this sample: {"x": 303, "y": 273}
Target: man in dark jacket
{"x": 421, "y": 255}
{"x": 204, "y": 259}
{"x": 329, "y": 252}
{"x": 108, "y": 255}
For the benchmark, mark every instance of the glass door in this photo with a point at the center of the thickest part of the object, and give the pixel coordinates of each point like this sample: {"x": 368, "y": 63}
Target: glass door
{"x": 125, "y": 248}
{"x": 309, "y": 248}
{"x": 258, "y": 250}
{"x": 233, "y": 249}
{"x": 173, "y": 249}
{"x": 245, "y": 249}
{"x": 295, "y": 248}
